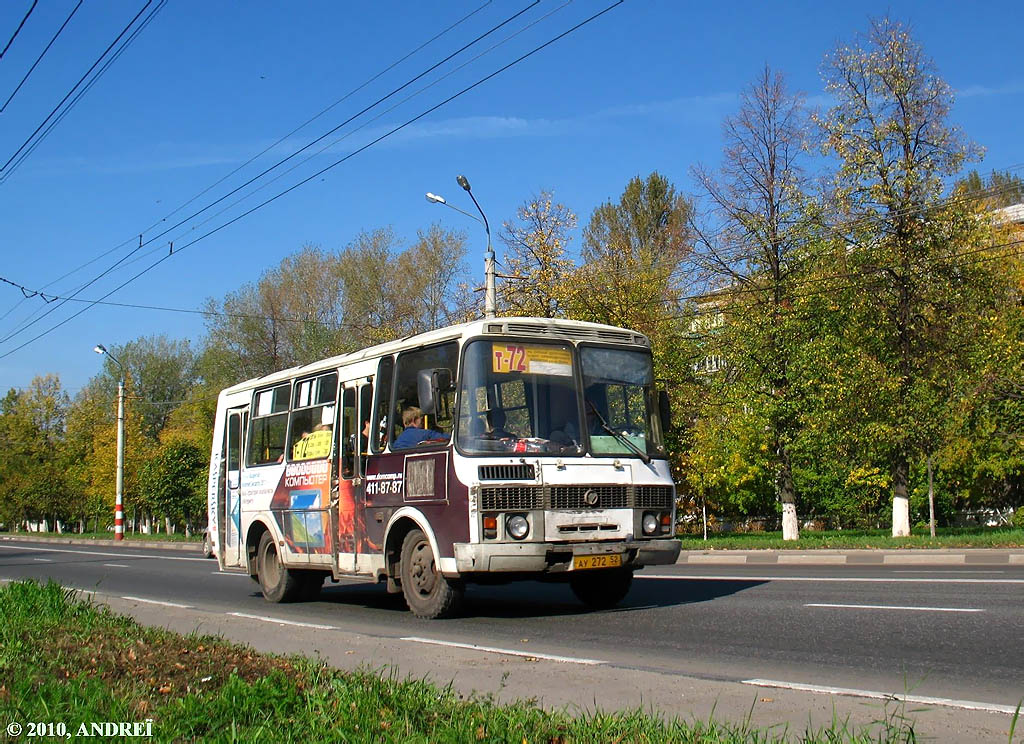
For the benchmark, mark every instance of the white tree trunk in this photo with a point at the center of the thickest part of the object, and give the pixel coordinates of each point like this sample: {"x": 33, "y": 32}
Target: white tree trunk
{"x": 790, "y": 525}
{"x": 900, "y": 516}
{"x": 900, "y": 501}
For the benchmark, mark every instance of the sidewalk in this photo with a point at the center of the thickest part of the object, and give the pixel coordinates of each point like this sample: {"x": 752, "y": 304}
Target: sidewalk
{"x": 861, "y": 557}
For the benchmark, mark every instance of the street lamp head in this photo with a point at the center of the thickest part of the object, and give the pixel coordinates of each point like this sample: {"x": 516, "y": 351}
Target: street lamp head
{"x": 463, "y": 182}
{"x": 435, "y": 199}
{"x": 100, "y": 349}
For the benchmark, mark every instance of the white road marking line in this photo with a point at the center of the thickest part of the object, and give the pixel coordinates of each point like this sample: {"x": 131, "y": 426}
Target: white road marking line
{"x": 229, "y": 573}
{"x": 506, "y": 651}
{"x": 279, "y": 621}
{"x": 116, "y": 565}
{"x": 43, "y": 560}
{"x": 106, "y": 555}
{"x": 892, "y": 607}
{"x": 853, "y": 579}
{"x": 158, "y": 602}
{"x": 915, "y": 699}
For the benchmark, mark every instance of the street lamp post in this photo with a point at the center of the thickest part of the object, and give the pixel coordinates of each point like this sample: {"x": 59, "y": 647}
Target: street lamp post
{"x": 119, "y": 498}
{"x": 490, "y": 293}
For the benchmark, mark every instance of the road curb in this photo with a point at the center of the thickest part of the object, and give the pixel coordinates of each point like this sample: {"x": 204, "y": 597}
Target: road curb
{"x": 915, "y": 557}
{"x": 126, "y": 544}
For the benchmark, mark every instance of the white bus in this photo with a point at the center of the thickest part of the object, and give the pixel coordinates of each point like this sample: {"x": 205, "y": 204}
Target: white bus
{"x": 541, "y": 457}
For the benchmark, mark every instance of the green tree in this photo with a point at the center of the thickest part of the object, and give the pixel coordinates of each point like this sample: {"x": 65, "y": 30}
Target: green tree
{"x": 759, "y": 251}
{"x": 537, "y": 242}
{"x": 917, "y": 295}
{"x": 1000, "y": 189}
{"x": 174, "y": 479}
{"x": 33, "y": 485}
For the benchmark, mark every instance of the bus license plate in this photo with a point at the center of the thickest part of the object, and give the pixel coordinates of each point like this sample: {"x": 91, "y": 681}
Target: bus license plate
{"x": 610, "y": 560}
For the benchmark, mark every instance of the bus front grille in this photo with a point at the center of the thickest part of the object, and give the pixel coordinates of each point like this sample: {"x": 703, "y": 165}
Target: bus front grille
{"x": 654, "y": 497}
{"x": 514, "y": 498}
{"x": 508, "y": 498}
{"x": 507, "y": 472}
{"x": 590, "y": 497}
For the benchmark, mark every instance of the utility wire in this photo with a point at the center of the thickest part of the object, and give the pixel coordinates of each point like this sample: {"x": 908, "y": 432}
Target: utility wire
{"x": 143, "y": 243}
{"x": 263, "y": 152}
{"x": 67, "y": 109}
{"x": 75, "y": 87}
{"x": 259, "y": 206}
{"x": 18, "y": 29}
{"x": 40, "y": 57}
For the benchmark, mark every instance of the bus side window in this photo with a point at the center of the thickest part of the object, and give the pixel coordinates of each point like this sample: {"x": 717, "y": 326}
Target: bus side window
{"x": 444, "y": 356}
{"x": 380, "y": 424}
{"x": 348, "y": 429}
{"x": 312, "y": 418}
{"x": 269, "y": 425}
{"x": 364, "y": 428}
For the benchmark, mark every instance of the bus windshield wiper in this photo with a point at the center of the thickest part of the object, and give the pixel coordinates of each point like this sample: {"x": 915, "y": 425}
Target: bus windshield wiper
{"x": 620, "y": 436}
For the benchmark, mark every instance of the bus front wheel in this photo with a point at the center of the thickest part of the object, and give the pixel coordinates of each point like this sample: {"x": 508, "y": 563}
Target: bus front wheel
{"x": 601, "y": 590}
{"x": 278, "y": 583}
{"x": 427, "y": 592}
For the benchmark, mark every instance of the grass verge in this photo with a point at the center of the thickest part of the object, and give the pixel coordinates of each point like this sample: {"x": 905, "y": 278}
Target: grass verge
{"x": 950, "y": 537}
{"x": 67, "y": 660}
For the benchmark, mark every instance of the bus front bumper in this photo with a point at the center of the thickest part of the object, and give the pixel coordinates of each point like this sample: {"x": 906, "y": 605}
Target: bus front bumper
{"x": 558, "y": 557}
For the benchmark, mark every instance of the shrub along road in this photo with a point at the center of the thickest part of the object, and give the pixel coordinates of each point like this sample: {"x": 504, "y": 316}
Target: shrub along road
{"x": 692, "y": 638}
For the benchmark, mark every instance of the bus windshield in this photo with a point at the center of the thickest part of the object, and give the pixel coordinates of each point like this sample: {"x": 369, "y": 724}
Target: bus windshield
{"x": 618, "y": 395}
{"x": 522, "y": 397}
{"x": 519, "y": 397}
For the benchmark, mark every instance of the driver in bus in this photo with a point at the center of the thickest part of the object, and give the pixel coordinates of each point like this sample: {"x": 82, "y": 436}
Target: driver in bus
{"x": 414, "y": 433}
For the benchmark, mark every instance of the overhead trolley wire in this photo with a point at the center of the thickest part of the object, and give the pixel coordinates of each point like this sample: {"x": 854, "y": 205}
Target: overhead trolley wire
{"x": 18, "y": 29}
{"x": 306, "y": 180}
{"x": 254, "y": 157}
{"x": 143, "y": 243}
{"x": 67, "y": 109}
{"x": 71, "y": 92}
{"x": 41, "y": 55}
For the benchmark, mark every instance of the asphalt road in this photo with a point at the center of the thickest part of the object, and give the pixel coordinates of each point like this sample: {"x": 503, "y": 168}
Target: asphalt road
{"x": 954, "y": 633}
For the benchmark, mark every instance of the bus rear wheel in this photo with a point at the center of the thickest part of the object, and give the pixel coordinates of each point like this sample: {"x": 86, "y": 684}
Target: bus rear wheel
{"x": 427, "y": 592}
{"x": 601, "y": 590}
{"x": 278, "y": 583}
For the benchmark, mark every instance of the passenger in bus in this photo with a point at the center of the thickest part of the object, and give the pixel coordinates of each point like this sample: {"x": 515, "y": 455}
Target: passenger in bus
{"x": 314, "y": 444}
{"x": 414, "y": 433}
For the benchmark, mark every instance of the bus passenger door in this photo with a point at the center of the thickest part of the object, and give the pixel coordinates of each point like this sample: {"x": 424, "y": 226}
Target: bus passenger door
{"x": 349, "y": 481}
{"x": 229, "y": 509}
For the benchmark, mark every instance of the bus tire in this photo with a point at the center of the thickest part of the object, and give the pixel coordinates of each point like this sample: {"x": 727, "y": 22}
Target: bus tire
{"x": 428, "y": 593}
{"x": 601, "y": 590}
{"x": 278, "y": 583}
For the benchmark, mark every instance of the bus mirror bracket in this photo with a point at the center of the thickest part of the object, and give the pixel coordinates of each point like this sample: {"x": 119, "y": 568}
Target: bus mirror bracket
{"x": 664, "y": 410}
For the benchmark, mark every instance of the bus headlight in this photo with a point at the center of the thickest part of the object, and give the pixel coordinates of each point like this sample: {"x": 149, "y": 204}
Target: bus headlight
{"x": 649, "y": 524}
{"x": 517, "y": 526}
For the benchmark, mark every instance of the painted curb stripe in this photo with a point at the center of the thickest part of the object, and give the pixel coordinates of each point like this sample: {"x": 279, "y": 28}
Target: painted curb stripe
{"x": 106, "y": 555}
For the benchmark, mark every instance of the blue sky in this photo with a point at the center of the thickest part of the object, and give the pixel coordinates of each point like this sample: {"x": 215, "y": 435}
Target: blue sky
{"x": 207, "y": 85}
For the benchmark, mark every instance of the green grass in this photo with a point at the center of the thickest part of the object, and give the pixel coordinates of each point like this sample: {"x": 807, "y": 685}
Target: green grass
{"x": 66, "y": 660}
{"x": 949, "y": 537}
{"x": 139, "y": 537}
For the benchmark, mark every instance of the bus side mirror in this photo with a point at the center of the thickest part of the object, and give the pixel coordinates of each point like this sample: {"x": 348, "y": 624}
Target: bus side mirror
{"x": 430, "y": 383}
{"x": 664, "y": 410}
